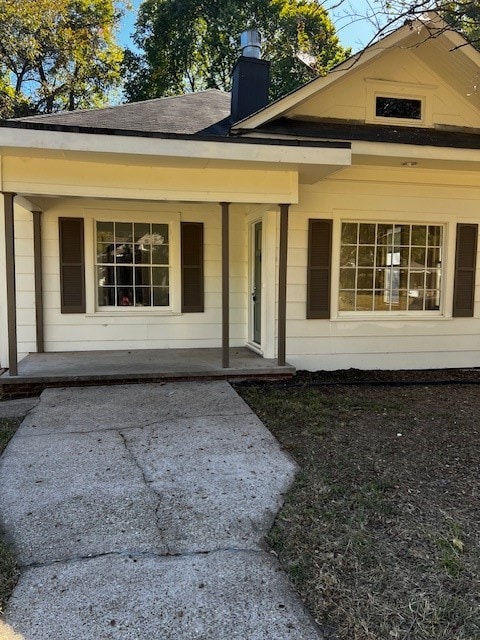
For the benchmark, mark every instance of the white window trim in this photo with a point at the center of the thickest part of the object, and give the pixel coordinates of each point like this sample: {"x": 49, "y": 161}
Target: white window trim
{"x": 91, "y": 217}
{"x": 448, "y": 267}
{"x": 383, "y": 89}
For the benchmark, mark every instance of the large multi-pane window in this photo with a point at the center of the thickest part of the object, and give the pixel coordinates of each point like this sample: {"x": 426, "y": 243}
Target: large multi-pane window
{"x": 133, "y": 264}
{"x": 390, "y": 267}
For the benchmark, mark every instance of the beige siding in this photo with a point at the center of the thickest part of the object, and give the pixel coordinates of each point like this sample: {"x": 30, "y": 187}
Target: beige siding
{"x": 91, "y": 175}
{"x": 366, "y": 341}
{"x": 127, "y": 329}
{"x": 24, "y": 282}
{"x": 410, "y": 75}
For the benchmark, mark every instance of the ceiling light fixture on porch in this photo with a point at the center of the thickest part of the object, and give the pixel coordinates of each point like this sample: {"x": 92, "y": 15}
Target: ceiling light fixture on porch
{"x": 410, "y": 163}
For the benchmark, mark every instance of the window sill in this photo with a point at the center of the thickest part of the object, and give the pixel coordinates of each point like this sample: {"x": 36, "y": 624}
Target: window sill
{"x": 131, "y": 313}
{"x": 372, "y": 317}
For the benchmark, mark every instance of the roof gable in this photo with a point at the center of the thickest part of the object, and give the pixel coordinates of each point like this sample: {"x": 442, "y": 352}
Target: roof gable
{"x": 422, "y": 59}
{"x": 399, "y": 74}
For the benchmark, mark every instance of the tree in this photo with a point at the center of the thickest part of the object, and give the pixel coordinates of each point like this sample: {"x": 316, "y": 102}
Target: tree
{"x": 57, "y": 54}
{"x": 187, "y": 45}
{"x": 388, "y": 15}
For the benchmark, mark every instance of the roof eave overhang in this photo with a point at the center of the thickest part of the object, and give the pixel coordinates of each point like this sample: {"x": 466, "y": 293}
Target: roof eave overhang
{"x": 414, "y": 152}
{"x": 281, "y": 154}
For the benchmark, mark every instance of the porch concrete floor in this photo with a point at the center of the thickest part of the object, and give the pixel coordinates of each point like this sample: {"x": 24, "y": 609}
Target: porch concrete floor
{"x": 132, "y": 365}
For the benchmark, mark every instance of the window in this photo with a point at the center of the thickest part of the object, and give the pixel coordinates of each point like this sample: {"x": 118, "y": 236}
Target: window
{"x": 399, "y": 103}
{"x": 133, "y": 264}
{"x": 406, "y": 108}
{"x": 390, "y": 267}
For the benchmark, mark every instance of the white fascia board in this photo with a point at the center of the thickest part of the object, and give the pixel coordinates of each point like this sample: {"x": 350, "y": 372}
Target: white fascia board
{"x": 171, "y": 147}
{"x": 460, "y": 44}
{"x": 387, "y": 149}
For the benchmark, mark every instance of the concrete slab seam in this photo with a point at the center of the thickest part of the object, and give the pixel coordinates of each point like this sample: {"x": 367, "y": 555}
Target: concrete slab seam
{"x": 147, "y": 425}
{"x": 134, "y": 554}
{"x": 148, "y": 483}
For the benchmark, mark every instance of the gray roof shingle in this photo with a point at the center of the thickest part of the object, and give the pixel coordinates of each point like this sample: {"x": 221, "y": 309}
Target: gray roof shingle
{"x": 206, "y": 112}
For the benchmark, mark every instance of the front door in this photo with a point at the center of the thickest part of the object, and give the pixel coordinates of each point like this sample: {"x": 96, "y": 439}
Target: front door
{"x": 257, "y": 284}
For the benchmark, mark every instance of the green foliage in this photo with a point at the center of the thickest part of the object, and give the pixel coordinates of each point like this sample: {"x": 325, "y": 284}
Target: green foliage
{"x": 57, "y": 54}
{"x": 464, "y": 16}
{"x": 189, "y": 45}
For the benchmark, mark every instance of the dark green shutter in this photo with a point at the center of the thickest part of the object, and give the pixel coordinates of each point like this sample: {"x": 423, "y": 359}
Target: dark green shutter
{"x": 72, "y": 265}
{"x": 465, "y": 266}
{"x": 319, "y": 268}
{"x": 192, "y": 267}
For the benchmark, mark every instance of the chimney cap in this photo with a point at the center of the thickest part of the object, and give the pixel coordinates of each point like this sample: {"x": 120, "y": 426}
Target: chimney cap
{"x": 251, "y": 43}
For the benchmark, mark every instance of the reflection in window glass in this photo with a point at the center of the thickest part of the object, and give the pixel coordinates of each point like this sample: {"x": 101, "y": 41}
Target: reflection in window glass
{"x": 390, "y": 267}
{"x": 133, "y": 264}
{"x": 406, "y": 108}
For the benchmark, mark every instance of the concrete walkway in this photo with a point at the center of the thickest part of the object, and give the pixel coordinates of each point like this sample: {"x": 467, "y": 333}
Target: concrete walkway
{"x": 139, "y": 513}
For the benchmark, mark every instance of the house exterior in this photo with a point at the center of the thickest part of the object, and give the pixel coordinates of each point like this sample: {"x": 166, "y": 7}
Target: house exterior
{"x": 334, "y": 228}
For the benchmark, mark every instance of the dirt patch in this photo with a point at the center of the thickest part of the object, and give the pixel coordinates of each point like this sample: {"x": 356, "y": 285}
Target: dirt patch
{"x": 380, "y": 532}
{"x": 8, "y": 570}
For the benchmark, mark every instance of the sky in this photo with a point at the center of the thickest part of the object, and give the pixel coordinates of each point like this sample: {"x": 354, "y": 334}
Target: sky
{"x": 354, "y": 33}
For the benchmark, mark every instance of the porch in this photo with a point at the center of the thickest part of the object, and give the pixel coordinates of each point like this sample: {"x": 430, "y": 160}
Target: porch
{"x": 38, "y": 371}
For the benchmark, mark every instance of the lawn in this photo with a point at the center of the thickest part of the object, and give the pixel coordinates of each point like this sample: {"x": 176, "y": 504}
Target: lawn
{"x": 380, "y": 532}
{"x": 8, "y": 569}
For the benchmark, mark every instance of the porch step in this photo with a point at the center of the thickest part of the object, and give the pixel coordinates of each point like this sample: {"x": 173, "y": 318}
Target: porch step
{"x": 37, "y": 372}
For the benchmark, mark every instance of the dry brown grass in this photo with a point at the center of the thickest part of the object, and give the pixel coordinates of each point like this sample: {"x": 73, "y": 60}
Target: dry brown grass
{"x": 8, "y": 569}
{"x": 380, "y": 532}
